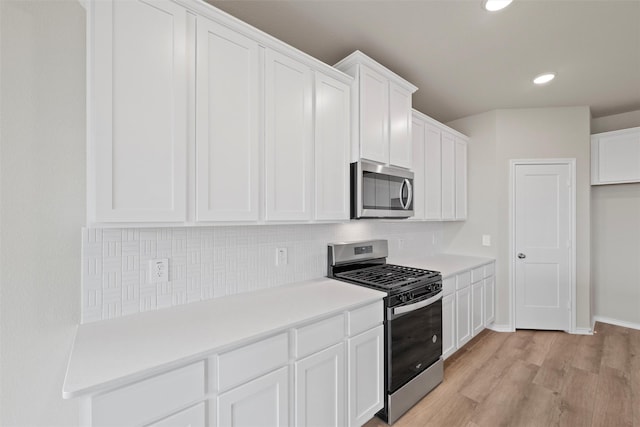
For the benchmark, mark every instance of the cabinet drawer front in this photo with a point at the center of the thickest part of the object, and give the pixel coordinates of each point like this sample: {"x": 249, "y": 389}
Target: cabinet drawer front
{"x": 362, "y": 319}
{"x": 477, "y": 274}
{"x": 312, "y": 338}
{"x": 150, "y": 399}
{"x": 241, "y": 365}
{"x": 490, "y": 270}
{"x": 463, "y": 280}
{"x": 449, "y": 285}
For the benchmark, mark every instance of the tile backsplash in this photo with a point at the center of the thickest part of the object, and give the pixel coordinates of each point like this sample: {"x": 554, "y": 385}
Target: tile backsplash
{"x": 211, "y": 262}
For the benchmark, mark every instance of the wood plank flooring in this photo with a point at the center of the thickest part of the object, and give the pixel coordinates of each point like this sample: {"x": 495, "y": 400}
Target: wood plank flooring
{"x": 537, "y": 378}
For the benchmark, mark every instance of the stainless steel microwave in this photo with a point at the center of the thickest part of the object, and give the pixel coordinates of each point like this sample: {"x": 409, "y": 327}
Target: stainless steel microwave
{"x": 379, "y": 191}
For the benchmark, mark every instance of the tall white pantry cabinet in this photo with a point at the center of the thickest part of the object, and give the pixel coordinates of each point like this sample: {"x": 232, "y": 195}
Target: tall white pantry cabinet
{"x": 196, "y": 117}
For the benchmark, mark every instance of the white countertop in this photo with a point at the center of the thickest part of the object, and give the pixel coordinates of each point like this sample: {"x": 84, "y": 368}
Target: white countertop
{"x": 115, "y": 352}
{"x": 446, "y": 264}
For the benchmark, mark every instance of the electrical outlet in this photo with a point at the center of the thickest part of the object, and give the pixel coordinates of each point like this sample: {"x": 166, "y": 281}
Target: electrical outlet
{"x": 281, "y": 257}
{"x": 486, "y": 240}
{"x": 158, "y": 270}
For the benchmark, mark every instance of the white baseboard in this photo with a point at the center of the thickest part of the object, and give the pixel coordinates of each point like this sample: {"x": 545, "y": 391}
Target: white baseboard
{"x": 500, "y": 328}
{"x": 583, "y": 331}
{"x": 616, "y": 322}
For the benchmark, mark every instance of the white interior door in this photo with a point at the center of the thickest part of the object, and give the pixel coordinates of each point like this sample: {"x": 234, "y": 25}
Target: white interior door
{"x": 543, "y": 223}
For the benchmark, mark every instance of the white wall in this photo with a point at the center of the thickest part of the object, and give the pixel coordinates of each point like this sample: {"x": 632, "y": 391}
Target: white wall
{"x": 615, "y": 122}
{"x": 521, "y": 134}
{"x": 42, "y": 205}
{"x": 615, "y": 230}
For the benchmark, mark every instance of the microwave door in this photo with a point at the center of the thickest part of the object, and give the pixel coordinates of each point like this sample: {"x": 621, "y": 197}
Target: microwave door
{"x": 383, "y": 192}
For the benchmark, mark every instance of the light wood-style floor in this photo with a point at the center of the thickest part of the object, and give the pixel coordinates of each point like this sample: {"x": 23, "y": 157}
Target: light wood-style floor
{"x": 537, "y": 378}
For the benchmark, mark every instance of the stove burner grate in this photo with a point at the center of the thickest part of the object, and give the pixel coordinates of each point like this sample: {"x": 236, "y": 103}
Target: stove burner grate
{"x": 386, "y": 275}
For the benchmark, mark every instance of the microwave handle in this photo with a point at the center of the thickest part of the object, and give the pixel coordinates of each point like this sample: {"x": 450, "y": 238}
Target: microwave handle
{"x": 406, "y": 183}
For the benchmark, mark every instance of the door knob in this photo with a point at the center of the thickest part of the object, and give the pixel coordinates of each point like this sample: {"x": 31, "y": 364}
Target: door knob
{"x": 521, "y": 255}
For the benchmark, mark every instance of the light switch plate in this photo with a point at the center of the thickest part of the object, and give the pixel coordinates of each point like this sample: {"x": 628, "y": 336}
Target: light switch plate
{"x": 486, "y": 240}
{"x": 158, "y": 270}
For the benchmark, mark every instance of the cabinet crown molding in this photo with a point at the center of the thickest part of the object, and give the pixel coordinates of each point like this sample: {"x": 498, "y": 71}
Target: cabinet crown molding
{"x": 359, "y": 58}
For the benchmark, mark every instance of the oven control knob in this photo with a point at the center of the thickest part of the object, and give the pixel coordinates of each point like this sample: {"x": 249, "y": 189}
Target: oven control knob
{"x": 402, "y": 298}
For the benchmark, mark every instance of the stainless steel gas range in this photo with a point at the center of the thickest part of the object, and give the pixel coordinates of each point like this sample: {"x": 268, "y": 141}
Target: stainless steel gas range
{"x": 412, "y": 319}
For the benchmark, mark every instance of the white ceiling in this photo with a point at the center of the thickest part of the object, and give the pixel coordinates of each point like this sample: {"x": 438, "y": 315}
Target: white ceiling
{"x": 467, "y": 61}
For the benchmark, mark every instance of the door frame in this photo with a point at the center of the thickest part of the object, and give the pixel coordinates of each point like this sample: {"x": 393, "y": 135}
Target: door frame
{"x": 513, "y": 163}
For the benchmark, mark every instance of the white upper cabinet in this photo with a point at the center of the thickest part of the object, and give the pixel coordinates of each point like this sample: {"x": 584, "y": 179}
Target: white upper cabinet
{"x": 461, "y": 178}
{"x": 448, "y": 176}
{"x": 433, "y": 173}
{"x": 382, "y": 111}
{"x": 400, "y": 147}
{"x": 332, "y": 144}
{"x": 444, "y": 170}
{"x": 196, "y": 117}
{"x": 227, "y": 125}
{"x": 288, "y": 138}
{"x": 374, "y": 116}
{"x": 137, "y": 110}
{"x": 615, "y": 157}
{"x": 417, "y": 135}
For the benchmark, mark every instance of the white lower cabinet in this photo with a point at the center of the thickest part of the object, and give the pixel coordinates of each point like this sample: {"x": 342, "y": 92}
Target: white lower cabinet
{"x": 366, "y": 370}
{"x": 477, "y": 308}
{"x": 468, "y": 306}
{"x": 320, "y": 388}
{"x": 328, "y": 372}
{"x": 448, "y": 325}
{"x": 463, "y": 316}
{"x": 489, "y": 300}
{"x": 192, "y": 417}
{"x": 143, "y": 402}
{"x": 260, "y": 402}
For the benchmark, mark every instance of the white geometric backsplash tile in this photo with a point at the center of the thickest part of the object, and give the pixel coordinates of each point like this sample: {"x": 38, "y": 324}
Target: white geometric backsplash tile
{"x": 211, "y": 262}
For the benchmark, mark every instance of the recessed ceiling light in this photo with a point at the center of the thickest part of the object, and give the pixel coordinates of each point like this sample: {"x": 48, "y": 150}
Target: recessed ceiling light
{"x": 494, "y": 5}
{"x": 544, "y": 78}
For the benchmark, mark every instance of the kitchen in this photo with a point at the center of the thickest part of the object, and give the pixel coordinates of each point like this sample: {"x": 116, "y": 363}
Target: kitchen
{"x": 44, "y": 208}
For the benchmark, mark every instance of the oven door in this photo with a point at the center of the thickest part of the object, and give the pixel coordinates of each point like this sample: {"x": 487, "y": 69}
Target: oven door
{"x": 414, "y": 339}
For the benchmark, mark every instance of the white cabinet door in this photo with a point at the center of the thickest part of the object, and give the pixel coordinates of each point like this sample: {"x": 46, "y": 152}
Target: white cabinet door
{"x": 137, "y": 119}
{"x": 461, "y": 179}
{"x": 366, "y": 386}
{"x": 418, "y": 167}
{"x": 448, "y": 177}
{"x": 192, "y": 417}
{"x": 477, "y": 307}
{"x": 228, "y": 108}
{"x": 261, "y": 402}
{"x": 374, "y": 116}
{"x": 320, "y": 388}
{"x": 615, "y": 157}
{"x": 288, "y": 142}
{"x": 448, "y": 325}
{"x": 489, "y": 300}
{"x": 463, "y": 316}
{"x": 433, "y": 173}
{"x": 399, "y": 126}
{"x": 332, "y": 148}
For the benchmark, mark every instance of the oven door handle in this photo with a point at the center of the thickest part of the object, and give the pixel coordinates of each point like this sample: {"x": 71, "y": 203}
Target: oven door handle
{"x": 399, "y": 311}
